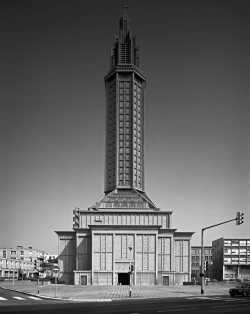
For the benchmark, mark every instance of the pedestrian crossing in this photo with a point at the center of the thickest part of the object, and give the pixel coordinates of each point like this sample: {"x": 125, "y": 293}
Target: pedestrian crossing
{"x": 19, "y": 298}
{"x": 225, "y": 299}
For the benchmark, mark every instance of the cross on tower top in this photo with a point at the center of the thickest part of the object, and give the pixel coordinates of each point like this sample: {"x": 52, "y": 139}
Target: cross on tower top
{"x": 125, "y": 7}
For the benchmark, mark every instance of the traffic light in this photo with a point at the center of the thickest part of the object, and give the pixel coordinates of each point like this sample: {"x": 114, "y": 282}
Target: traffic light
{"x": 76, "y": 218}
{"x": 206, "y": 265}
{"x": 35, "y": 263}
{"x": 239, "y": 218}
{"x": 131, "y": 269}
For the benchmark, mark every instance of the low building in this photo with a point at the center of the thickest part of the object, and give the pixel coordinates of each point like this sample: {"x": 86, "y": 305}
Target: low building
{"x": 231, "y": 258}
{"x": 25, "y": 261}
{"x": 196, "y": 261}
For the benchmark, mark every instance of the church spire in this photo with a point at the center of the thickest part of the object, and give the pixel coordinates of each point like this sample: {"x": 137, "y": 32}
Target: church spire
{"x": 124, "y": 50}
{"x": 125, "y": 9}
{"x": 125, "y": 26}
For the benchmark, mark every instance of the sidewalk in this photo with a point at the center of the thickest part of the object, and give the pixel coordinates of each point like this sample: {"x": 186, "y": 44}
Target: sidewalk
{"x": 109, "y": 293}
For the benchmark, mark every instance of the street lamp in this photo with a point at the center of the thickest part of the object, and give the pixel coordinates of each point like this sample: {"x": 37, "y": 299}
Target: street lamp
{"x": 130, "y": 269}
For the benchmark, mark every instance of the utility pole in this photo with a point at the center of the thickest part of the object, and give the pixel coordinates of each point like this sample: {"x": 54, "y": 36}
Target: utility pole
{"x": 239, "y": 220}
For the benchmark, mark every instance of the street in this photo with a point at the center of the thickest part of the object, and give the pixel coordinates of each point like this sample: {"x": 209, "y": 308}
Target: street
{"x": 11, "y": 301}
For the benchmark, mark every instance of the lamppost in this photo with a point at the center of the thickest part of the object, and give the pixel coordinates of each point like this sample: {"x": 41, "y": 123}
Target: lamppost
{"x": 130, "y": 269}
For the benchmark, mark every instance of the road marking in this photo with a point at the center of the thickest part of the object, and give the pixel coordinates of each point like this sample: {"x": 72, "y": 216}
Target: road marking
{"x": 193, "y": 308}
{"x": 229, "y": 305}
{"x": 198, "y": 298}
{"x": 2, "y": 299}
{"x": 34, "y": 298}
{"x": 18, "y": 298}
{"x": 225, "y": 299}
{"x": 230, "y": 300}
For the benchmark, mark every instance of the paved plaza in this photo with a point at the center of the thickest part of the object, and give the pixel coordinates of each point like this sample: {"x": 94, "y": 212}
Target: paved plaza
{"x": 109, "y": 293}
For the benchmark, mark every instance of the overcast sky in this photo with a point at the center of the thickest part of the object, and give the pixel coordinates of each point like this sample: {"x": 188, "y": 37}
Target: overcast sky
{"x": 53, "y": 58}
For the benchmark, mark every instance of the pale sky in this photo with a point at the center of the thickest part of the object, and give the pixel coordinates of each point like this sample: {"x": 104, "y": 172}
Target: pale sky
{"x": 53, "y": 59}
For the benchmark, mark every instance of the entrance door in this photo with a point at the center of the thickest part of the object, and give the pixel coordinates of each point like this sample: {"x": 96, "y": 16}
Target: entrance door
{"x": 123, "y": 279}
{"x": 165, "y": 280}
{"x": 84, "y": 280}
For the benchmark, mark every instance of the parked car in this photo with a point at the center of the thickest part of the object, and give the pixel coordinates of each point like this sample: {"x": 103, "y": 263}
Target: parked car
{"x": 242, "y": 288}
{"x": 207, "y": 279}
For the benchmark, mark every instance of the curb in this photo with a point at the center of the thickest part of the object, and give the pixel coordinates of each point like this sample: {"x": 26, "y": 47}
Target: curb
{"x": 58, "y": 299}
{"x": 100, "y": 300}
{"x": 33, "y": 294}
{"x": 90, "y": 300}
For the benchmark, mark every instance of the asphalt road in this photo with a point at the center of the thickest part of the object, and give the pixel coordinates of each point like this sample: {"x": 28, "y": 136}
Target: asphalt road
{"x": 211, "y": 304}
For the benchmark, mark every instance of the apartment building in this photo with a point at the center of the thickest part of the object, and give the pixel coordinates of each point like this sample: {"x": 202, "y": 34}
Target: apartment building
{"x": 231, "y": 258}
{"x": 20, "y": 260}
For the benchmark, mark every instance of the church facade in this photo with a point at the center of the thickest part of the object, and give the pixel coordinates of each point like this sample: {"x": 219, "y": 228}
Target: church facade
{"x": 124, "y": 236}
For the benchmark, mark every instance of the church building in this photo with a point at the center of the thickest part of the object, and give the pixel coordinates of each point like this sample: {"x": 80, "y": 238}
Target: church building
{"x": 124, "y": 233}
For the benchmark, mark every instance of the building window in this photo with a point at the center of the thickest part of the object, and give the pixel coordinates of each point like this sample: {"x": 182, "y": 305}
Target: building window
{"x": 4, "y": 254}
{"x": 235, "y": 242}
{"x": 227, "y": 260}
{"x": 235, "y": 251}
{"x": 13, "y": 252}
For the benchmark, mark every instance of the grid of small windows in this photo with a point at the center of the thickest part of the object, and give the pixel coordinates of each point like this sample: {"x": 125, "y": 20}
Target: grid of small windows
{"x": 111, "y": 133}
{"x": 124, "y": 140}
{"x": 237, "y": 251}
{"x": 137, "y": 136}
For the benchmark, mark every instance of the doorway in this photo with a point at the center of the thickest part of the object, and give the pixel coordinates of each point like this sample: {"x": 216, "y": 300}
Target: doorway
{"x": 165, "y": 280}
{"x": 123, "y": 279}
{"x": 83, "y": 280}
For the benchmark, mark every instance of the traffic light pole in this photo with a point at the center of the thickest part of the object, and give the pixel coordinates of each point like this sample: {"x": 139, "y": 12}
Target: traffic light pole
{"x": 130, "y": 270}
{"x": 202, "y": 252}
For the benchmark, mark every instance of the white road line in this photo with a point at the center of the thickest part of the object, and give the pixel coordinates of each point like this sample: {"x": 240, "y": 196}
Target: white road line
{"x": 199, "y": 298}
{"x": 18, "y": 298}
{"x": 228, "y": 305}
{"x": 193, "y": 308}
{"x": 34, "y": 298}
{"x": 217, "y": 299}
{"x": 3, "y": 299}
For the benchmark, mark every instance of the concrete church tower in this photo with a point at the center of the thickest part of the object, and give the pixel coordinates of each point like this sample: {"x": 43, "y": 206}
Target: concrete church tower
{"x": 125, "y": 85}
{"x": 124, "y": 227}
